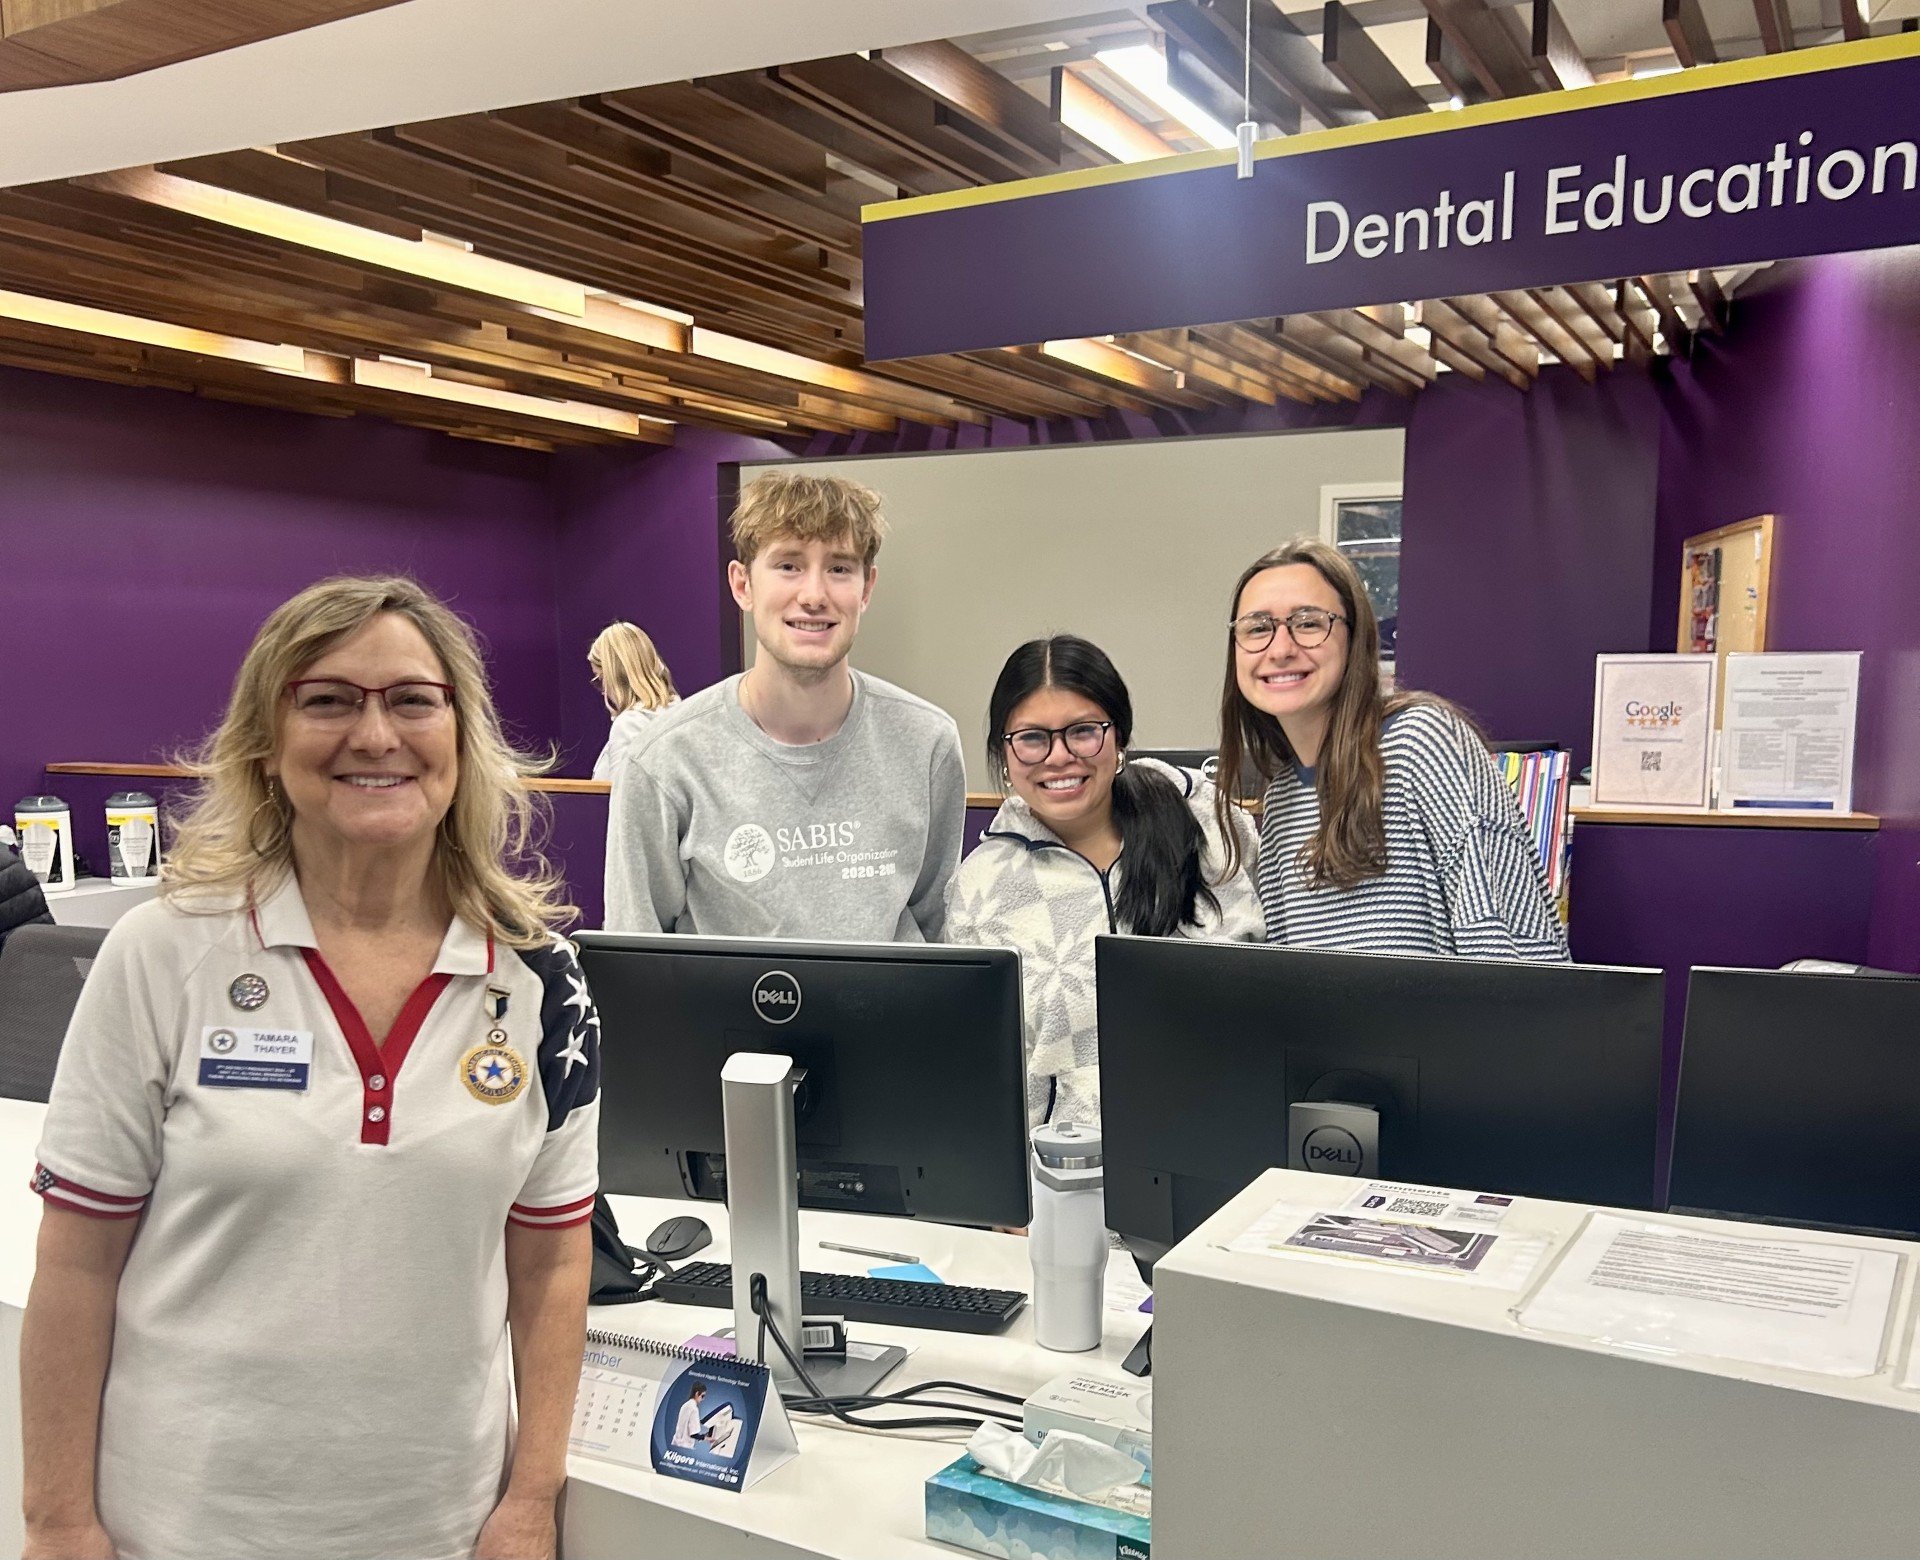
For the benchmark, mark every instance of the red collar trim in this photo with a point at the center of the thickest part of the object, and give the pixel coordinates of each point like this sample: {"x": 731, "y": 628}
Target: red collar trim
{"x": 384, "y": 1060}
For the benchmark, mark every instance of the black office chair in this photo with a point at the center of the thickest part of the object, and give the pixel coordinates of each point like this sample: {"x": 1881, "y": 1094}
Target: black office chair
{"x": 41, "y": 971}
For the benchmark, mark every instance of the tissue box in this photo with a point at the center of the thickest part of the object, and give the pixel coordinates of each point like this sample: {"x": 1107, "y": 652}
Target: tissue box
{"x": 1116, "y": 1413}
{"x": 971, "y": 1508}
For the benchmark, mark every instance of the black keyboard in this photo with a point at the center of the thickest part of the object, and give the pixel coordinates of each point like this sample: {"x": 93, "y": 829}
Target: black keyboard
{"x": 890, "y": 1301}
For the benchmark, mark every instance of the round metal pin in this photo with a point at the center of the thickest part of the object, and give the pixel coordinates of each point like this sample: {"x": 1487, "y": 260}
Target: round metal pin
{"x": 248, "y": 992}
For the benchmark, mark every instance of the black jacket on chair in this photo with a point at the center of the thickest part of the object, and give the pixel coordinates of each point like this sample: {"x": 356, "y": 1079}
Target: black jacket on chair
{"x": 21, "y": 901}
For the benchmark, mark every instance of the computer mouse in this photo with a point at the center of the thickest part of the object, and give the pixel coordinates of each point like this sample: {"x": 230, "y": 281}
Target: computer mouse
{"x": 681, "y": 1236}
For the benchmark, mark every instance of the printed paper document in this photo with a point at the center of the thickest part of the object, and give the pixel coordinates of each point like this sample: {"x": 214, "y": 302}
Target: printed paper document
{"x": 1810, "y": 1305}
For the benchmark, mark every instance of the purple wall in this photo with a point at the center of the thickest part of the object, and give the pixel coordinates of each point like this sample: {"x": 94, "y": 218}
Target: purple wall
{"x": 146, "y": 534}
{"x": 1528, "y": 545}
{"x": 637, "y": 540}
{"x": 1805, "y": 410}
{"x": 1675, "y": 895}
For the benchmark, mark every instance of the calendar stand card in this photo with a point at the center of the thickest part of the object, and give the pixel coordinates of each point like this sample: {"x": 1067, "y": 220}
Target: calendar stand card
{"x": 684, "y": 1414}
{"x": 1653, "y": 731}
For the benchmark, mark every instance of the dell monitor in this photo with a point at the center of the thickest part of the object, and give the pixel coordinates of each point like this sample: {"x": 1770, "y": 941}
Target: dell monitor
{"x": 1540, "y": 1080}
{"x": 914, "y": 1099}
{"x": 1800, "y": 1100}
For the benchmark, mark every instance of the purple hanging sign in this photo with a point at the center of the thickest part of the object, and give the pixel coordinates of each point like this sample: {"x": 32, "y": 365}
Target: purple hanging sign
{"x": 1768, "y": 159}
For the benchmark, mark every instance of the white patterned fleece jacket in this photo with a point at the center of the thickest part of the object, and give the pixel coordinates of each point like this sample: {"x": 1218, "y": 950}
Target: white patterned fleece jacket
{"x": 1021, "y": 888}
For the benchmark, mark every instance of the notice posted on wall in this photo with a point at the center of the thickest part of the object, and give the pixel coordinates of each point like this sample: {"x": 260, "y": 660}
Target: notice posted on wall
{"x": 1787, "y": 730}
{"x": 1428, "y": 1230}
{"x": 1817, "y": 1306}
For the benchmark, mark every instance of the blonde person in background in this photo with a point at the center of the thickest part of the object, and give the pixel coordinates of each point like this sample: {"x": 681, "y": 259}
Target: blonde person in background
{"x": 323, "y": 1138}
{"x": 634, "y": 684}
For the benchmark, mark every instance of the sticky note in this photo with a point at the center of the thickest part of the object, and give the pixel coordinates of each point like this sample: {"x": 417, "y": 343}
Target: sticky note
{"x": 907, "y": 1272}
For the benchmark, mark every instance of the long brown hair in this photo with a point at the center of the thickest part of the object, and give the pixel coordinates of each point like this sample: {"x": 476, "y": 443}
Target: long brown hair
{"x": 1350, "y": 844}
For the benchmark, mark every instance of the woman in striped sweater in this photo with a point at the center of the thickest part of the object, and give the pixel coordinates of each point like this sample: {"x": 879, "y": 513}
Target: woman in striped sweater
{"x": 1385, "y": 827}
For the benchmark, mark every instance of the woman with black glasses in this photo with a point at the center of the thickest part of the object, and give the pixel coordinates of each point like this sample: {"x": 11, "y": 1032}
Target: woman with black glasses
{"x": 1384, "y": 827}
{"x": 1087, "y": 843}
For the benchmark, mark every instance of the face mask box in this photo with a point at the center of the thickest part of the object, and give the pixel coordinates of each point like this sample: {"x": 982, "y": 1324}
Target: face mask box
{"x": 1115, "y": 1413}
{"x": 969, "y": 1507}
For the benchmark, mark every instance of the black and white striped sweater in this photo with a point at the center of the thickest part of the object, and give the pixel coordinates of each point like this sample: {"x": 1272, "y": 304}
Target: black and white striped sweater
{"x": 1462, "y": 874}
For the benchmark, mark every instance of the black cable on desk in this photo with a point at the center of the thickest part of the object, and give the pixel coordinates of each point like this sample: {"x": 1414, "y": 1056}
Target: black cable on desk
{"x": 816, "y": 1401}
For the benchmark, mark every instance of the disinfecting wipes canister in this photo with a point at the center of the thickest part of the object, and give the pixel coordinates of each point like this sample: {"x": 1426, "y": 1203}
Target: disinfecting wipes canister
{"x": 45, "y": 827}
{"x": 133, "y": 837}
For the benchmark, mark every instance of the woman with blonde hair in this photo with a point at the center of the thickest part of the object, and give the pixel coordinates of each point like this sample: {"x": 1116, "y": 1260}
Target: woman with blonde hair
{"x": 634, "y": 684}
{"x": 321, "y": 1146}
{"x": 1385, "y": 827}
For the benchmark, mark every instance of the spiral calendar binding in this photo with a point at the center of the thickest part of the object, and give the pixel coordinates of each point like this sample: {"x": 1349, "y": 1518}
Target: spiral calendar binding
{"x": 657, "y": 1346}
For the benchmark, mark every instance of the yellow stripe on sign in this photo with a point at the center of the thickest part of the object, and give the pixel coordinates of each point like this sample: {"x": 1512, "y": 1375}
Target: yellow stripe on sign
{"x": 1701, "y": 78}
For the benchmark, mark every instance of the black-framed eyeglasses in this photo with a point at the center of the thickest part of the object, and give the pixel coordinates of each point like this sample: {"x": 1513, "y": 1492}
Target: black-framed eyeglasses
{"x": 1306, "y": 626}
{"x": 334, "y": 701}
{"x": 1034, "y": 744}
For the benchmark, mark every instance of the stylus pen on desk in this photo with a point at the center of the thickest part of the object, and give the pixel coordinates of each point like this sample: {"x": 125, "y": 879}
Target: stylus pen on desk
{"x": 868, "y": 1251}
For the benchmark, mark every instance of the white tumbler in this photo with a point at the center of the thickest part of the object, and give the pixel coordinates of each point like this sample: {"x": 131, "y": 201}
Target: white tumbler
{"x": 45, "y": 827}
{"x": 1067, "y": 1239}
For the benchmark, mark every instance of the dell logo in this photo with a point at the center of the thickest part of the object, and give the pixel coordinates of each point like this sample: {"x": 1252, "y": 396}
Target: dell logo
{"x": 776, "y": 997}
{"x": 1332, "y": 1151}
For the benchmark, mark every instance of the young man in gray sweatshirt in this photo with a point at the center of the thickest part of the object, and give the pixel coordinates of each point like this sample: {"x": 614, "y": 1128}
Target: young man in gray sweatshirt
{"x": 801, "y": 799}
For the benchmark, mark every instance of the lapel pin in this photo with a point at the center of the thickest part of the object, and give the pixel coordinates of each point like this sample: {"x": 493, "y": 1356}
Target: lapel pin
{"x": 247, "y": 992}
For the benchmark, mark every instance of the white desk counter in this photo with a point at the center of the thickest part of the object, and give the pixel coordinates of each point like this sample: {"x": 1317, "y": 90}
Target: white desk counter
{"x": 848, "y": 1494}
{"x": 98, "y": 901}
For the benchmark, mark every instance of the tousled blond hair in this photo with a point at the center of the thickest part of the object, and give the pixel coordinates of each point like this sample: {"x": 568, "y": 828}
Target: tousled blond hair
{"x": 780, "y": 504}
{"x": 630, "y": 669}
{"x": 236, "y": 838}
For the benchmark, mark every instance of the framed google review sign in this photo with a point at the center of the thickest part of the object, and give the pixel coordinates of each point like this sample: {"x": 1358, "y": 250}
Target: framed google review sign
{"x": 1653, "y": 731}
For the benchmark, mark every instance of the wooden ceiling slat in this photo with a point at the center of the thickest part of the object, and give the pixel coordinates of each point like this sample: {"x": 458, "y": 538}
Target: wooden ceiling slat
{"x": 1319, "y": 343}
{"x": 1687, "y": 31}
{"x": 681, "y": 266}
{"x": 760, "y": 95}
{"x": 1086, "y": 397}
{"x": 494, "y": 149}
{"x": 1465, "y": 339}
{"x": 1278, "y": 359}
{"x": 1599, "y": 306}
{"x": 1570, "y": 317}
{"x": 1707, "y": 293}
{"x": 734, "y": 188}
{"x": 886, "y": 102}
{"x": 1555, "y": 55}
{"x": 1479, "y": 32}
{"x": 734, "y": 139}
{"x": 1363, "y": 67}
{"x": 1507, "y": 340}
{"x": 1533, "y": 317}
{"x": 1776, "y": 25}
{"x": 1211, "y": 62}
{"x": 1383, "y": 340}
{"x": 66, "y": 42}
{"x": 1679, "y": 335}
{"x": 980, "y": 93}
{"x": 1451, "y": 67}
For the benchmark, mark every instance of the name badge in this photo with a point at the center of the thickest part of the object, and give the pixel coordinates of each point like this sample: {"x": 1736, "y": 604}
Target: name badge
{"x": 235, "y": 1058}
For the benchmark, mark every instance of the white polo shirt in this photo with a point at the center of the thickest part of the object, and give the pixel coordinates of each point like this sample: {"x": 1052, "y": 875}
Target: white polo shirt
{"x": 310, "y": 1349}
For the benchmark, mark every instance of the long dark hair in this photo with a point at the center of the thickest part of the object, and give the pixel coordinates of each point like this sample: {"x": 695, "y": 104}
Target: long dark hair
{"x": 1350, "y": 845}
{"x": 1164, "y": 886}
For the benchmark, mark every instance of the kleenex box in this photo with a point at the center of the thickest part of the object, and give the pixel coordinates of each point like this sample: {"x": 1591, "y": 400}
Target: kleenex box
{"x": 969, "y": 1507}
{"x": 1114, "y": 1412}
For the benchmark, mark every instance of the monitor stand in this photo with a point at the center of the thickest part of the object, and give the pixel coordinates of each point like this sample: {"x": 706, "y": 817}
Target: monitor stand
{"x": 763, "y": 1214}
